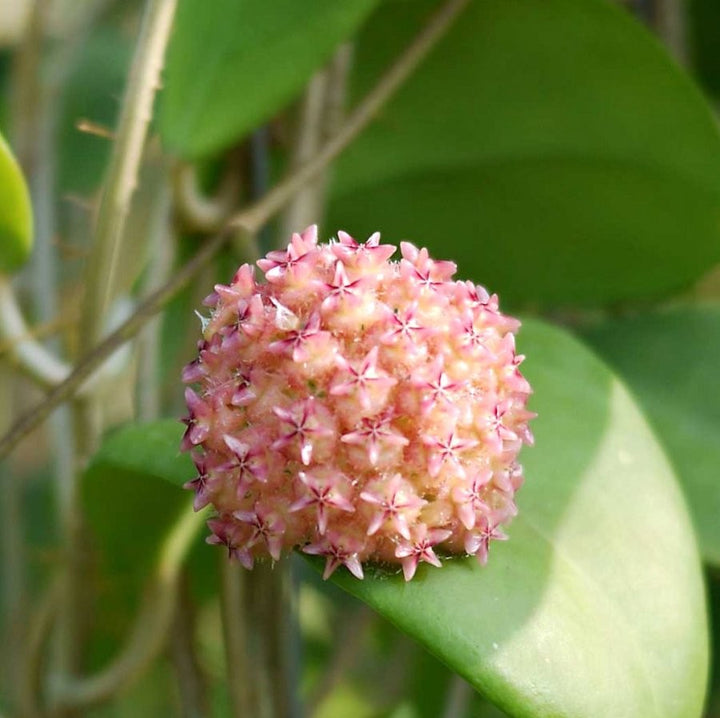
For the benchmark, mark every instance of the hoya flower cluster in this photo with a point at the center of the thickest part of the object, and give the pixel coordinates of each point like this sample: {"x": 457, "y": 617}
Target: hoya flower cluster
{"x": 357, "y": 408}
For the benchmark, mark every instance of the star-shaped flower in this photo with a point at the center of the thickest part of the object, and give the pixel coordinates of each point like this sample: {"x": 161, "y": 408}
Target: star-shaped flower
{"x": 296, "y": 343}
{"x": 247, "y": 464}
{"x": 478, "y": 540}
{"x": 267, "y": 526}
{"x": 470, "y": 498}
{"x": 375, "y": 432}
{"x": 323, "y": 494}
{"x": 495, "y": 429}
{"x": 279, "y": 264}
{"x": 367, "y": 255}
{"x": 438, "y": 387}
{"x": 304, "y": 427}
{"x": 363, "y": 379}
{"x": 396, "y": 502}
{"x": 447, "y": 450}
{"x": 225, "y": 533}
{"x": 202, "y": 484}
{"x": 341, "y": 289}
{"x": 405, "y": 325}
{"x": 339, "y": 550}
{"x": 426, "y": 272}
{"x": 198, "y": 420}
{"x": 420, "y": 548}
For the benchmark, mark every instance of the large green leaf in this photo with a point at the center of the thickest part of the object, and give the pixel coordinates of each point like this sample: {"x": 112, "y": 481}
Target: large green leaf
{"x": 15, "y": 213}
{"x": 670, "y": 359}
{"x": 595, "y": 605}
{"x": 550, "y": 146}
{"x": 233, "y": 63}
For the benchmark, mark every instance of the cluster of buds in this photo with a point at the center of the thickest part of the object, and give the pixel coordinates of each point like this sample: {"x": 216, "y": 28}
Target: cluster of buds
{"x": 356, "y": 408}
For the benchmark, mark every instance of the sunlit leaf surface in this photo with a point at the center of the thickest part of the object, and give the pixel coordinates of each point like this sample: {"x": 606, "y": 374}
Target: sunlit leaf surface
{"x": 595, "y": 606}
{"x": 670, "y": 360}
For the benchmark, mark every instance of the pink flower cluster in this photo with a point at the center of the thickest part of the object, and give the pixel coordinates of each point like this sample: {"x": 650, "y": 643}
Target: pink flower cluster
{"x": 356, "y": 408}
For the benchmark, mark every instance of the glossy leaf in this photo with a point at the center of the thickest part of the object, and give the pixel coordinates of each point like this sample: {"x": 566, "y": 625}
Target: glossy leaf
{"x": 595, "y": 605}
{"x": 670, "y": 361}
{"x": 15, "y": 213}
{"x": 232, "y": 64}
{"x": 551, "y": 147}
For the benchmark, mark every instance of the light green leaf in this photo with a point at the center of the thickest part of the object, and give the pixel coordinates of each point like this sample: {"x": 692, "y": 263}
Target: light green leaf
{"x": 670, "y": 360}
{"x": 595, "y": 605}
{"x": 232, "y": 64}
{"x": 15, "y": 213}
{"x": 551, "y": 147}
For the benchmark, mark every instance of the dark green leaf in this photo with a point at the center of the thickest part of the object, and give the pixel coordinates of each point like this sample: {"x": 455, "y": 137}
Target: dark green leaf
{"x": 549, "y": 146}
{"x": 704, "y": 21}
{"x": 595, "y": 606}
{"x": 670, "y": 360}
{"x": 15, "y": 213}
{"x": 233, "y": 63}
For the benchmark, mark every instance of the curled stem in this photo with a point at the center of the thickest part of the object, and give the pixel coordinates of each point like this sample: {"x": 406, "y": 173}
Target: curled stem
{"x": 199, "y": 212}
{"x": 25, "y": 351}
{"x": 151, "y": 624}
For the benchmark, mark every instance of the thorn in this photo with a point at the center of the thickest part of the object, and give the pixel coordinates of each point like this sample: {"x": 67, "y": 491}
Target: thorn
{"x": 94, "y": 128}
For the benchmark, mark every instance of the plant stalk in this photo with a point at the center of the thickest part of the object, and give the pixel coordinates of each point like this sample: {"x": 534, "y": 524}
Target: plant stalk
{"x": 118, "y": 188}
{"x": 122, "y": 174}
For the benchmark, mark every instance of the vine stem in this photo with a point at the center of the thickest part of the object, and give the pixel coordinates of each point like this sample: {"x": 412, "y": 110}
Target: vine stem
{"x": 322, "y": 111}
{"x": 247, "y": 221}
{"x": 121, "y": 179}
{"x": 99, "y": 282}
{"x": 29, "y": 355}
{"x": 151, "y": 625}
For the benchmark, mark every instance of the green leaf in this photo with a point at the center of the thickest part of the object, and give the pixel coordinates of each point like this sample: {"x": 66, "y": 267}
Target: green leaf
{"x": 551, "y": 147}
{"x": 15, "y": 213}
{"x": 131, "y": 499}
{"x": 670, "y": 360}
{"x": 128, "y": 509}
{"x": 595, "y": 605}
{"x": 232, "y": 64}
{"x": 151, "y": 448}
{"x": 703, "y": 22}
